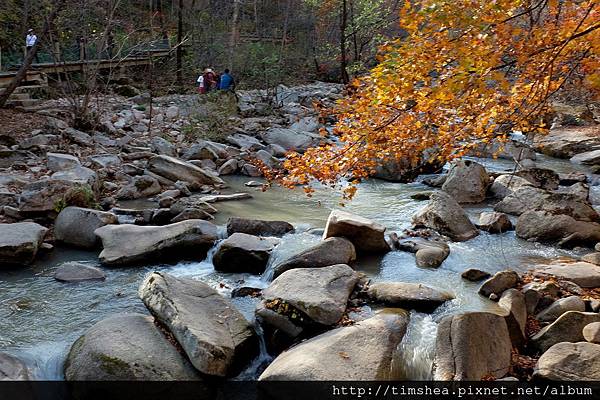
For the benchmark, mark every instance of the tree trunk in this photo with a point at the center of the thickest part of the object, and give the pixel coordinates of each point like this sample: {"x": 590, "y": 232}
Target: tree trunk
{"x": 234, "y": 31}
{"x": 180, "y": 45}
{"x": 286, "y": 20}
{"x": 22, "y": 73}
{"x": 343, "y": 55}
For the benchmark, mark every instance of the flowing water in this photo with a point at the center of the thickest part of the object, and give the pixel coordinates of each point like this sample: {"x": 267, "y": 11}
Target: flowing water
{"x": 40, "y": 318}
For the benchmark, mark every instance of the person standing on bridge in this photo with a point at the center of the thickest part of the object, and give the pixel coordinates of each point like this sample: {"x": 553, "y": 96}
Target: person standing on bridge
{"x": 30, "y": 41}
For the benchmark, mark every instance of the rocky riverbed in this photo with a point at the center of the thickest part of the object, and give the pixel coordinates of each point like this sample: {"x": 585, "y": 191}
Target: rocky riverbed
{"x": 138, "y": 252}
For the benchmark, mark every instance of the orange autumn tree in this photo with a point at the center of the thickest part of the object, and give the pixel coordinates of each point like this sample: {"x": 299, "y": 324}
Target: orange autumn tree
{"x": 466, "y": 73}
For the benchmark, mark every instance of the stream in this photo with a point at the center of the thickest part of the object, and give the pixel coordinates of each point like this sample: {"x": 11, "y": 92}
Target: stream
{"x": 40, "y": 318}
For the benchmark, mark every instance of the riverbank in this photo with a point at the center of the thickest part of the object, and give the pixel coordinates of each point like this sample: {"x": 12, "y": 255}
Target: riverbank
{"x": 53, "y": 315}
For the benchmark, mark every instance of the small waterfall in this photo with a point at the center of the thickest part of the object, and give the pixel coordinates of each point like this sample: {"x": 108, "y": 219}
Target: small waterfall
{"x": 258, "y": 365}
{"x": 416, "y": 351}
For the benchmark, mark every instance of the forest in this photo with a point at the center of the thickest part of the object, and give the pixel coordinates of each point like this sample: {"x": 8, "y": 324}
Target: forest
{"x": 287, "y": 199}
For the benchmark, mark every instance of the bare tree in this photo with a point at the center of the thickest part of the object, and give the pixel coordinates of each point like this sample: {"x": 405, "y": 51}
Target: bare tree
{"x": 22, "y": 73}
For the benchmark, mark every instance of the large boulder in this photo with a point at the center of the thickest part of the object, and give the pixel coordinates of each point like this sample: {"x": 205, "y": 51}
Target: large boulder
{"x": 78, "y": 175}
{"x": 365, "y": 234}
{"x": 12, "y": 368}
{"x": 513, "y": 302}
{"x": 540, "y": 177}
{"x": 467, "y": 182}
{"x": 472, "y": 346}
{"x": 446, "y": 216}
{"x": 20, "y": 242}
{"x": 506, "y": 184}
{"x": 569, "y": 141}
{"x": 567, "y": 328}
{"x": 559, "y": 307}
{"x": 127, "y": 244}
{"x": 213, "y": 333}
{"x": 44, "y": 196}
{"x": 319, "y": 293}
{"x": 541, "y": 226}
{"x": 498, "y": 283}
{"x": 258, "y": 227}
{"x": 291, "y": 139}
{"x": 361, "y": 352}
{"x": 328, "y": 252}
{"x": 569, "y": 362}
{"x": 126, "y": 347}
{"x": 588, "y": 158}
{"x": 243, "y": 253}
{"x": 584, "y": 274}
{"x": 527, "y": 198}
{"x": 408, "y": 295}
{"x": 76, "y": 226}
{"x": 175, "y": 169}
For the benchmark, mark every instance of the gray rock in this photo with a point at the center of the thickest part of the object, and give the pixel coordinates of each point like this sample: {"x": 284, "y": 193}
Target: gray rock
{"x": 536, "y": 291}
{"x": 365, "y": 234}
{"x": 140, "y": 187}
{"x": 504, "y": 185}
{"x": 588, "y": 158}
{"x": 474, "y": 275}
{"x": 291, "y": 139}
{"x": 20, "y": 242}
{"x": 229, "y": 167}
{"x": 78, "y": 137}
{"x": 363, "y": 351}
{"x": 105, "y": 160}
{"x": 429, "y": 253}
{"x": 241, "y": 252}
{"x": 328, "y": 252}
{"x": 513, "y": 301}
{"x": 77, "y": 272}
{"x": 593, "y": 258}
{"x": 215, "y": 336}
{"x": 584, "y": 274}
{"x": 42, "y": 197}
{"x": 471, "y": 346}
{"x": 561, "y": 306}
{"x": 567, "y": 328}
{"x": 130, "y": 244}
{"x": 565, "y": 230}
{"x": 494, "y": 222}
{"x": 320, "y": 293}
{"x": 540, "y": 177}
{"x": 467, "y": 182}
{"x": 76, "y": 226}
{"x": 569, "y": 362}
{"x": 568, "y": 141}
{"x": 175, "y": 169}
{"x": 60, "y": 162}
{"x": 591, "y": 332}
{"x": 78, "y": 175}
{"x": 408, "y": 295}
{"x": 126, "y": 347}
{"x": 245, "y": 142}
{"x": 446, "y": 216}
{"x": 498, "y": 283}
{"x": 12, "y": 368}
{"x": 258, "y": 227}
{"x": 163, "y": 147}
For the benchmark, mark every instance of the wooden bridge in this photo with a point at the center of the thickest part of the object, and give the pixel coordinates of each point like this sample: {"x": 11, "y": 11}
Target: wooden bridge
{"x": 38, "y": 73}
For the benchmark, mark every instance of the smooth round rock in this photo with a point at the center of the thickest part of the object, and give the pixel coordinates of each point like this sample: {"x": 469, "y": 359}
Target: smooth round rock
{"x": 591, "y": 332}
{"x": 12, "y": 368}
{"x": 78, "y": 272}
